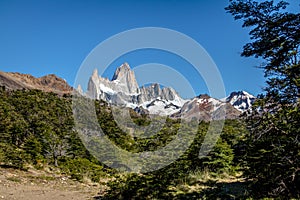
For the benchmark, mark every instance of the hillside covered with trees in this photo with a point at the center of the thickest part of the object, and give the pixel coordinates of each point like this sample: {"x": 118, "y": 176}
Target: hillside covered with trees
{"x": 37, "y": 129}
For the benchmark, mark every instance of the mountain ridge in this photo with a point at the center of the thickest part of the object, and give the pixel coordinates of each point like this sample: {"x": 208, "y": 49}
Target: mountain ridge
{"x": 47, "y": 83}
{"x": 123, "y": 90}
{"x": 163, "y": 101}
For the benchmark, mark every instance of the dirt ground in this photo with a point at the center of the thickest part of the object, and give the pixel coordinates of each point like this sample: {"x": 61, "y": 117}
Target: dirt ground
{"x": 40, "y": 185}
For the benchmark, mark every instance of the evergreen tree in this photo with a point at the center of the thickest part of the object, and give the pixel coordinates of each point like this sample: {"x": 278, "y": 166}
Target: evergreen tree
{"x": 273, "y": 152}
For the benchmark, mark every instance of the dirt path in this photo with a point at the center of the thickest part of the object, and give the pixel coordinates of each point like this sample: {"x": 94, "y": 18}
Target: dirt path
{"x": 28, "y": 192}
{"x": 36, "y": 185}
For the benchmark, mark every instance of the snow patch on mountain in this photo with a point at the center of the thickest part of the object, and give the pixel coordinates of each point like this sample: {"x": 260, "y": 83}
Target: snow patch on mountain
{"x": 241, "y": 100}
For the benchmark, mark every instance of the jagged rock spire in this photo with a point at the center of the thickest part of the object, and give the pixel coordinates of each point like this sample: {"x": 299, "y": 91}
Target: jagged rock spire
{"x": 126, "y": 80}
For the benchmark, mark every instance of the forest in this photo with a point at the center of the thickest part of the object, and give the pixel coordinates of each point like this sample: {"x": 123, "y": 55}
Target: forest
{"x": 37, "y": 129}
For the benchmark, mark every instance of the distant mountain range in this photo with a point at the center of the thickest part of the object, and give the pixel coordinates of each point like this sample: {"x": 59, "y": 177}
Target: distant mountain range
{"x": 123, "y": 90}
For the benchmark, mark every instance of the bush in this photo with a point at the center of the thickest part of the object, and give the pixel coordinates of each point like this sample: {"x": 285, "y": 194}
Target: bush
{"x": 79, "y": 168}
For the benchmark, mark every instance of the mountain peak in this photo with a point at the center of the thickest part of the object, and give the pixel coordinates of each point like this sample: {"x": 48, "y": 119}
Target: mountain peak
{"x": 241, "y": 100}
{"x": 122, "y": 71}
{"x": 79, "y": 89}
{"x": 125, "y": 65}
{"x": 203, "y": 96}
{"x": 125, "y": 78}
{"x": 123, "y": 81}
{"x": 241, "y": 93}
{"x": 95, "y": 73}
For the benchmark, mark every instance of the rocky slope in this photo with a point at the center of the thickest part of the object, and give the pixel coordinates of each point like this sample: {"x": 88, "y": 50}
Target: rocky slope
{"x": 204, "y": 107}
{"x": 48, "y": 83}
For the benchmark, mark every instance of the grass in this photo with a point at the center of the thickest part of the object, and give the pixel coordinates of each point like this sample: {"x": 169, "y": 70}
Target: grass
{"x": 206, "y": 185}
{"x": 14, "y": 179}
{"x": 42, "y": 177}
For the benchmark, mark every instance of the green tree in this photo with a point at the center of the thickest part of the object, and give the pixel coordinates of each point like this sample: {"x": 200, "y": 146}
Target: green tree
{"x": 33, "y": 148}
{"x": 273, "y": 152}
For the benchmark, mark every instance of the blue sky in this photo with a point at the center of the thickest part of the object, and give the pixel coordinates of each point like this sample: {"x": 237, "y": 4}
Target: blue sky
{"x": 41, "y": 37}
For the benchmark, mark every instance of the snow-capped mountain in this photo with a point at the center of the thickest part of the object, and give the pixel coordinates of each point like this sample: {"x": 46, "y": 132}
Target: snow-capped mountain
{"x": 123, "y": 82}
{"x": 241, "y": 100}
{"x": 123, "y": 90}
{"x": 204, "y": 107}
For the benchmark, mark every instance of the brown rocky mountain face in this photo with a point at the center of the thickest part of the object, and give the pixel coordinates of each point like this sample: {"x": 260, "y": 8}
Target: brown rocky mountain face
{"x": 48, "y": 83}
{"x": 206, "y": 108}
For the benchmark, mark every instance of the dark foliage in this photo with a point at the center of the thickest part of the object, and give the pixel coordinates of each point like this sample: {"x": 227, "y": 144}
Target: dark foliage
{"x": 272, "y": 148}
{"x": 37, "y": 128}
